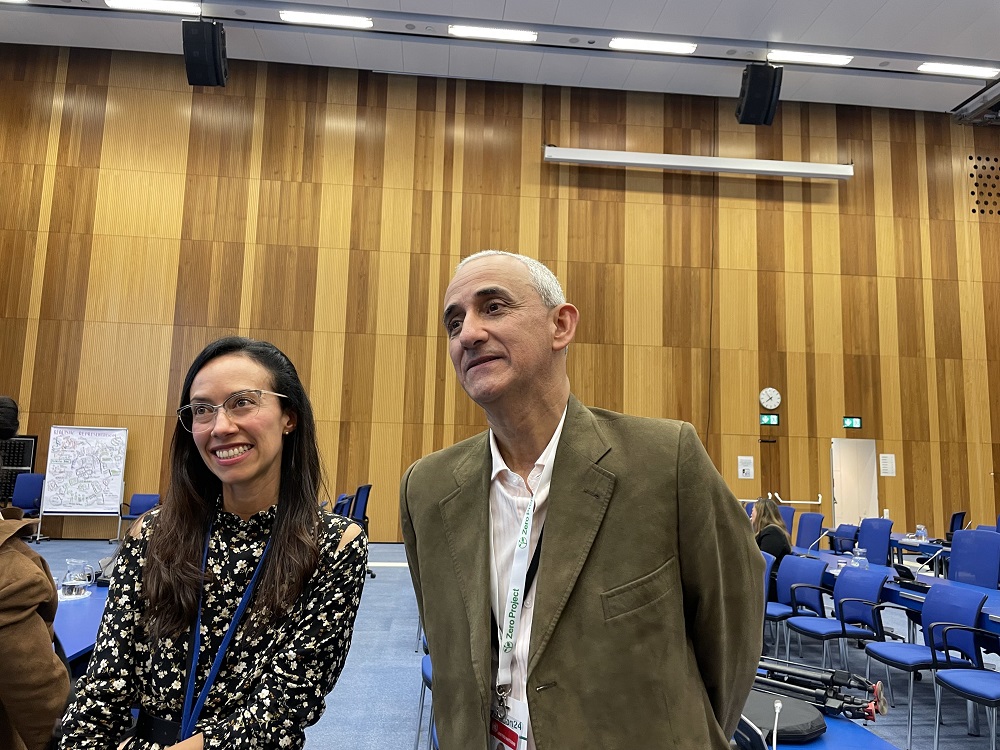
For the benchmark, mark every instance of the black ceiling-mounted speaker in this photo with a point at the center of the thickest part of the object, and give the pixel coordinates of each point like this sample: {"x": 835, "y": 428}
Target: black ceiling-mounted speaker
{"x": 205, "y": 52}
{"x": 759, "y": 94}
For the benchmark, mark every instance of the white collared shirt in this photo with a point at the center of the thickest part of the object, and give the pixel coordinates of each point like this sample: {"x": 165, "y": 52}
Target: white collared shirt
{"x": 509, "y": 498}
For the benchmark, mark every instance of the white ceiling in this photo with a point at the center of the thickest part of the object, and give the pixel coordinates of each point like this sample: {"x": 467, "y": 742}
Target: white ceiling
{"x": 889, "y": 38}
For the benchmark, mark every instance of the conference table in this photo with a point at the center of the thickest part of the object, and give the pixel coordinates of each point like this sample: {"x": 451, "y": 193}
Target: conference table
{"x": 77, "y": 621}
{"x": 911, "y": 600}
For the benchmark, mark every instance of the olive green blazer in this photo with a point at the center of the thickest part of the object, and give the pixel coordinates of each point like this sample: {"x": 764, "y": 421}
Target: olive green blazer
{"x": 649, "y": 596}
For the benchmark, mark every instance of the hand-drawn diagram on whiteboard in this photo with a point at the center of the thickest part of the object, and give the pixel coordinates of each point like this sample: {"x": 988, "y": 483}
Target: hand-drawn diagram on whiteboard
{"x": 85, "y": 471}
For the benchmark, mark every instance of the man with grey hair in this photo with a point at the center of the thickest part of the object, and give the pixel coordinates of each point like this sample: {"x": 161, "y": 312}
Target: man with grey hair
{"x": 585, "y": 578}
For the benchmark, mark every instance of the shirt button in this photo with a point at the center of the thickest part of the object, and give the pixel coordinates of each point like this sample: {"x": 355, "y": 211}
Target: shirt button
{"x": 528, "y": 602}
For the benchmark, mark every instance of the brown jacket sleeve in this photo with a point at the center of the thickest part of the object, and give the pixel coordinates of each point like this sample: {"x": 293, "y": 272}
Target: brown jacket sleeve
{"x": 723, "y": 574}
{"x": 33, "y": 681}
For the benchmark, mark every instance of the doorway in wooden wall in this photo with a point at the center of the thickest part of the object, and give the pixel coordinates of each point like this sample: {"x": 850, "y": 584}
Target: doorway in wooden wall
{"x": 854, "y": 469}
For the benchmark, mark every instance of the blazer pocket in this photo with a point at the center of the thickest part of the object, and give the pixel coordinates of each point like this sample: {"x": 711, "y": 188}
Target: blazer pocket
{"x": 640, "y": 592}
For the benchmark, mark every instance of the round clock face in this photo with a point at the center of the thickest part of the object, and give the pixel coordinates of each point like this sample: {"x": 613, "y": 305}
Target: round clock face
{"x": 770, "y": 398}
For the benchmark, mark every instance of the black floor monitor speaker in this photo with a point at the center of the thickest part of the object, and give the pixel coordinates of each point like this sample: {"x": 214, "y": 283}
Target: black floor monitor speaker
{"x": 205, "y": 52}
{"x": 759, "y": 94}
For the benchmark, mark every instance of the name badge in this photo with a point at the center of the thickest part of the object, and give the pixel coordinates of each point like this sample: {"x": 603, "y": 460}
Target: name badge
{"x": 510, "y": 732}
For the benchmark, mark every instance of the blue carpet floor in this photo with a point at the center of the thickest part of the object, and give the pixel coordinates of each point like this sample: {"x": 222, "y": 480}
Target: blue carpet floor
{"x": 375, "y": 703}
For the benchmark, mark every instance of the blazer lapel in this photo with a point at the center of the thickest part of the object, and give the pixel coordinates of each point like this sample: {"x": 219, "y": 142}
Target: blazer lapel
{"x": 578, "y": 500}
{"x": 466, "y": 517}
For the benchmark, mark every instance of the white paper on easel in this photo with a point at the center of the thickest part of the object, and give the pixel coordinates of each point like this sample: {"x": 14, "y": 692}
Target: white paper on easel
{"x": 887, "y": 464}
{"x": 745, "y": 467}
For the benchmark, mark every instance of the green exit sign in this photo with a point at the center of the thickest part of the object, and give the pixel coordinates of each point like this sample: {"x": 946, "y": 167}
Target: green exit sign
{"x": 769, "y": 419}
{"x": 852, "y": 423}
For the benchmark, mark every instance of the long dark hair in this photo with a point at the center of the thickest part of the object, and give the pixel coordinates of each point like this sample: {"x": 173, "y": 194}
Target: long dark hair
{"x": 766, "y": 513}
{"x": 172, "y": 576}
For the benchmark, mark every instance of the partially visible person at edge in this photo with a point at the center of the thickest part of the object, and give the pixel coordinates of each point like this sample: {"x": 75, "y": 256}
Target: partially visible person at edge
{"x": 771, "y": 535}
{"x": 9, "y": 423}
{"x": 240, "y": 527}
{"x": 639, "y": 623}
{"x": 33, "y": 681}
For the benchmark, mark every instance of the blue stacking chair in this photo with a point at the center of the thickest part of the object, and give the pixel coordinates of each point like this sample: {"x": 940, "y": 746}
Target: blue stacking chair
{"x": 873, "y": 536}
{"x": 426, "y": 682}
{"x": 795, "y": 571}
{"x": 768, "y": 565}
{"x": 749, "y": 508}
{"x": 342, "y": 507}
{"x": 970, "y": 680}
{"x": 28, "y": 493}
{"x": 788, "y": 516}
{"x": 957, "y": 523}
{"x": 844, "y": 537}
{"x": 855, "y": 595}
{"x": 359, "y": 511}
{"x": 139, "y": 503}
{"x": 943, "y": 605}
{"x": 975, "y": 558}
{"x": 810, "y": 529}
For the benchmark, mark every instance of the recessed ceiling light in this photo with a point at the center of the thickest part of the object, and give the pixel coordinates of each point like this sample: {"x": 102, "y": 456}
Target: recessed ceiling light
{"x": 810, "y": 58}
{"x": 652, "y": 45}
{"x": 949, "y": 69}
{"x": 326, "y": 19}
{"x": 501, "y": 35}
{"x": 178, "y": 7}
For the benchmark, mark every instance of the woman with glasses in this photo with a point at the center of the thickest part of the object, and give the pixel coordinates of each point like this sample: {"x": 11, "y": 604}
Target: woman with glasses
{"x": 233, "y": 604}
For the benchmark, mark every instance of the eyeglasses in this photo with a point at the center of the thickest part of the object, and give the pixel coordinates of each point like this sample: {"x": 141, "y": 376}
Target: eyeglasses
{"x": 199, "y": 417}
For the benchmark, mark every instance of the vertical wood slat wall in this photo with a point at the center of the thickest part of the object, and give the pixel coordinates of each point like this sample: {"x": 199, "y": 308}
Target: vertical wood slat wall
{"x": 325, "y": 210}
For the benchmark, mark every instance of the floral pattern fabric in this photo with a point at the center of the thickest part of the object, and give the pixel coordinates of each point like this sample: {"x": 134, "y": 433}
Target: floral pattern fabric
{"x": 273, "y": 680}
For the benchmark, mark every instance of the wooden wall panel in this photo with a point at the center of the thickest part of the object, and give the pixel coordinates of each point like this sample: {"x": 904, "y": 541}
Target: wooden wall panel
{"x": 326, "y": 209}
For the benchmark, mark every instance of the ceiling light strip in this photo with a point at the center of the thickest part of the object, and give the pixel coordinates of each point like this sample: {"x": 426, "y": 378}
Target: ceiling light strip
{"x": 326, "y": 19}
{"x": 808, "y": 58}
{"x": 660, "y": 46}
{"x": 684, "y": 163}
{"x": 176, "y": 7}
{"x": 966, "y": 71}
{"x": 500, "y": 35}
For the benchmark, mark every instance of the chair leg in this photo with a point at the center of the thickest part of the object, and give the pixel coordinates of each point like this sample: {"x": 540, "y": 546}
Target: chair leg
{"x": 937, "y": 713}
{"x": 800, "y": 643}
{"x": 868, "y": 667}
{"x": 909, "y": 717}
{"x": 420, "y": 632}
{"x": 972, "y": 717}
{"x": 430, "y": 725}
{"x": 888, "y": 684}
{"x": 991, "y": 718}
{"x": 844, "y": 661}
{"x": 420, "y": 713}
{"x": 825, "y": 650}
{"x": 788, "y": 642}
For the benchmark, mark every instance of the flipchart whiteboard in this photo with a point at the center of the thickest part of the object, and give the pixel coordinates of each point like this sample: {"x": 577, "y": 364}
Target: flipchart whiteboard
{"x": 85, "y": 472}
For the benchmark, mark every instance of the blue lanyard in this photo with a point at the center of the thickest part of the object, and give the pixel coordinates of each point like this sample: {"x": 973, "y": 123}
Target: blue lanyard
{"x": 190, "y": 716}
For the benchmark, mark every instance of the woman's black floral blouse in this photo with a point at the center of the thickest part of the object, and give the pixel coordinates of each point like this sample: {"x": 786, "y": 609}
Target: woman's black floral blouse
{"x": 272, "y": 683}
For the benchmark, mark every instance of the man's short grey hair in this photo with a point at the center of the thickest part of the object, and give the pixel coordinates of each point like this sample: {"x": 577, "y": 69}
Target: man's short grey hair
{"x": 542, "y": 278}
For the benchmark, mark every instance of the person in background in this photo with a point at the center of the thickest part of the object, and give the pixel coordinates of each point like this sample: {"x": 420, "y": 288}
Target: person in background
{"x": 33, "y": 681}
{"x": 232, "y": 605}
{"x": 8, "y": 418}
{"x": 771, "y": 534}
{"x": 620, "y": 573}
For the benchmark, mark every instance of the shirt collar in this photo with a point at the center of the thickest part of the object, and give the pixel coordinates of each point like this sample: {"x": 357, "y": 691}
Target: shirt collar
{"x": 543, "y": 460}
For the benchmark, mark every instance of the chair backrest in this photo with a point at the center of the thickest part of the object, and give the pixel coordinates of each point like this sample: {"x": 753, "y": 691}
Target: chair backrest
{"x": 795, "y": 569}
{"x": 788, "y": 516}
{"x": 343, "y": 505}
{"x": 982, "y": 527}
{"x": 975, "y": 558}
{"x": 360, "y": 509}
{"x": 957, "y": 521}
{"x": 810, "y": 529}
{"x": 28, "y": 491}
{"x": 749, "y": 508}
{"x": 873, "y": 535}
{"x": 768, "y": 564}
{"x": 141, "y": 502}
{"x": 844, "y": 537}
{"x": 855, "y": 583}
{"x": 955, "y": 605}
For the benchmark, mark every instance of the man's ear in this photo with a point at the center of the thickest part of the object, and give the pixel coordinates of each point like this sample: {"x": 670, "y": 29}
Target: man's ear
{"x": 564, "y": 317}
